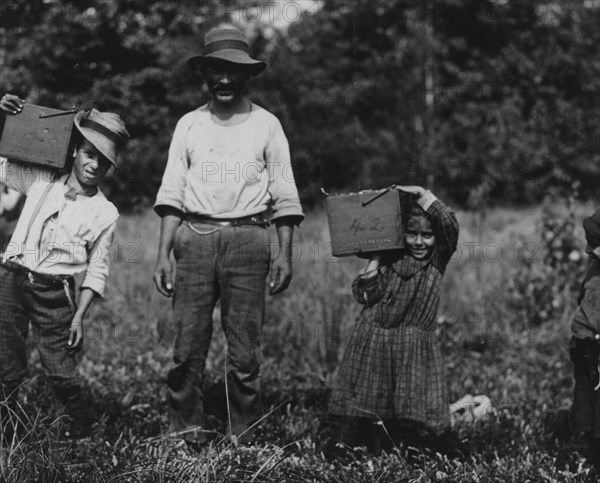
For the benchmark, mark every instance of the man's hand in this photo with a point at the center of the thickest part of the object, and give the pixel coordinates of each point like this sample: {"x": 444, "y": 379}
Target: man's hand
{"x": 281, "y": 274}
{"x": 281, "y": 270}
{"x": 163, "y": 273}
{"x": 163, "y": 278}
{"x": 75, "y": 342}
{"x": 11, "y": 104}
{"x": 415, "y": 190}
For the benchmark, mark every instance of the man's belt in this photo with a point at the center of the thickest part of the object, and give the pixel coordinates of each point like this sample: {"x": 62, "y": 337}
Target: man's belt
{"x": 42, "y": 278}
{"x": 258, "y": 220}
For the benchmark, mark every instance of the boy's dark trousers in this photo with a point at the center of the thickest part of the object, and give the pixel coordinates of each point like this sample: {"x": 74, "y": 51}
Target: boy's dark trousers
{"x": 42, "y": 300}
{"x": 585, "y": 355}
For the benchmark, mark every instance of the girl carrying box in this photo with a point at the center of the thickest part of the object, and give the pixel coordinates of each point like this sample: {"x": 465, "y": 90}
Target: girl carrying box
{"x": 392, "y": 370}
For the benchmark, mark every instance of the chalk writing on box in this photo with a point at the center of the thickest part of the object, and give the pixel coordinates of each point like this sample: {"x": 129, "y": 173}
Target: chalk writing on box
{"x": 374, "y": 224}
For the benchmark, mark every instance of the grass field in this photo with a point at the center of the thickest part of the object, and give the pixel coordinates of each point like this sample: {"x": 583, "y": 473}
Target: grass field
{"x": 503, "y": 323}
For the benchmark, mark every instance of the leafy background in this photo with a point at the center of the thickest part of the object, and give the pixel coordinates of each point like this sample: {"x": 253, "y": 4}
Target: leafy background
{"x": 514, "y": 86}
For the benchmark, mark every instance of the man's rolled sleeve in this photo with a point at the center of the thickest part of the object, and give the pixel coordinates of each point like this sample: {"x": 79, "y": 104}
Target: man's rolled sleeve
{"x": 172, "y": 188}
{"x": 99, "y": 261}
{"x": 282, "y": 185}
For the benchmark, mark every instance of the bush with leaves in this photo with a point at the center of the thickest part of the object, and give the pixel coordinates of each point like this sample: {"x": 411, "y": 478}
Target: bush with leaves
{"x": 544, "y": 285}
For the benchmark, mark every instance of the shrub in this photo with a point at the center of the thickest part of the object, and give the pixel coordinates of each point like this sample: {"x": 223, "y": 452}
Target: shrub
{"x": 543, "y": 286}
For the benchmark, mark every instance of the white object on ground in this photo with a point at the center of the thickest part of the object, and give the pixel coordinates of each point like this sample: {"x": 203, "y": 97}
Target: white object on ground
{"x": 470, "y": 408}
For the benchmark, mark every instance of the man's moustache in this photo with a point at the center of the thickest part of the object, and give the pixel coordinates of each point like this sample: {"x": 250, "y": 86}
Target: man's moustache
{"x": 226, "y": 87}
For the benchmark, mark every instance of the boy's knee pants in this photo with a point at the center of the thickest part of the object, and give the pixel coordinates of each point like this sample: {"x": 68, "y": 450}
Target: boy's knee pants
{"x": 47, "y": 307}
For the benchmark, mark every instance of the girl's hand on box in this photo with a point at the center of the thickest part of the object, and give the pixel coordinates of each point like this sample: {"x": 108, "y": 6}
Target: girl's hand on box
{"x": 372, "y": 266}
{"x": 415, "y": 190}
{"x": 11, "y": 103}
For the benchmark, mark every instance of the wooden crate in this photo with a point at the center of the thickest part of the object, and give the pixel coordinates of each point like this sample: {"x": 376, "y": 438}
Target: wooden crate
{"x": 38, "y": 135}
{"x": 361, "y": 223}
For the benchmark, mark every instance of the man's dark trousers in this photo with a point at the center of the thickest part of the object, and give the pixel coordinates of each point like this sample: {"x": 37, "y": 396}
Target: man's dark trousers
{"x": 214, "y": 263}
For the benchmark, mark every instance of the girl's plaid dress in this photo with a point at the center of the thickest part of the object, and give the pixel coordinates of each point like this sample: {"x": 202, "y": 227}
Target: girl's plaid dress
{"x": 393, "y": 368}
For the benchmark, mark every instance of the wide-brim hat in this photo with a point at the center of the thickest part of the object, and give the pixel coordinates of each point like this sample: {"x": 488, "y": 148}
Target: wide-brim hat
{"x": 226, "y": 44}
{"x": 105, "y": 130}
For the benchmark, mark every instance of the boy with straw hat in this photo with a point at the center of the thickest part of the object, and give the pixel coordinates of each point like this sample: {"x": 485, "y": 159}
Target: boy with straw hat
{"x": 65, "y": 228}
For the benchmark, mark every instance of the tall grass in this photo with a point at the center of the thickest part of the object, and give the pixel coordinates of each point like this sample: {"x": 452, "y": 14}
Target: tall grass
{"x": 490, "y": 347}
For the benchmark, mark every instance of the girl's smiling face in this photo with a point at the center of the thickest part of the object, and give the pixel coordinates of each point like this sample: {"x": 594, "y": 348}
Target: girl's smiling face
{"x": 419, "y": 237}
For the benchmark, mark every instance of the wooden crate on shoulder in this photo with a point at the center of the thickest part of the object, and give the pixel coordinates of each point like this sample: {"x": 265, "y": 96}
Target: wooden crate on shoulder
{"x": 38, "y": 135}
{"x": 366, "y": 222}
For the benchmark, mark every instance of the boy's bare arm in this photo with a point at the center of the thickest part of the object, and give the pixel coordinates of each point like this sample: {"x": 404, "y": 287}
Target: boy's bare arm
{"x": 85, "y": 300}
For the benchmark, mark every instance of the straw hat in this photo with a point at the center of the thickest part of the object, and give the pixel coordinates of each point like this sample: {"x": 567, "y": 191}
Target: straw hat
{"x": 105, "y": 130}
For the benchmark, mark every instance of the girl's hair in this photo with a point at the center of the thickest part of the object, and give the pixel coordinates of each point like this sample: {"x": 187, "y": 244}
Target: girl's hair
{"x": 411, "y": 209}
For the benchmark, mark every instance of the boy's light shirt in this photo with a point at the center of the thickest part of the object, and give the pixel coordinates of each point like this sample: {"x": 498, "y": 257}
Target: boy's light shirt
{"x": 78, "y": 240}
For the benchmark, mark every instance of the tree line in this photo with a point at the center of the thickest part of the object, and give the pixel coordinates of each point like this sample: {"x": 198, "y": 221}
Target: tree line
{"x": 486, "y": 101}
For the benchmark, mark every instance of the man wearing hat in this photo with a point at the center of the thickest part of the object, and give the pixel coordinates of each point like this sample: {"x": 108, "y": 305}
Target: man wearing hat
{"x": 65, "y": 228}
{"x": 584, "y": 347}
{"x": 228, "y": 165}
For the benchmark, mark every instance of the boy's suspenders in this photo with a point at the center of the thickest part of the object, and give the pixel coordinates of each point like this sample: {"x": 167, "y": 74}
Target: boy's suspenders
{"x": 37, "y": 208}
{"x": 35, "y": 212}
